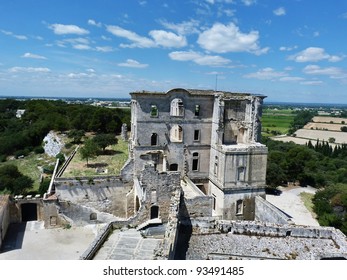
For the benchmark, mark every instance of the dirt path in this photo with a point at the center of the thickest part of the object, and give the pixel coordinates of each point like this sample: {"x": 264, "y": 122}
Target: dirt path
{"x": 290, "y": 202}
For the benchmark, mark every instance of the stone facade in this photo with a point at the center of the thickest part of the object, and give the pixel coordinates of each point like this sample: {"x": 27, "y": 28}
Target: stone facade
{"x": 210, "y": 137}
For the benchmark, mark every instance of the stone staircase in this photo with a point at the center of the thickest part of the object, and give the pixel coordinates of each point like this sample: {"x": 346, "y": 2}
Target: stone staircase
{"x": 127, "y": 245}
{"x": 145, "y": 224}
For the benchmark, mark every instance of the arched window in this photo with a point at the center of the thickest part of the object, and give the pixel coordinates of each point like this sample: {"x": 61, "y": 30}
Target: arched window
{"x": 177, "y": 108}
{"x": 176, "y": 133}
{"x": 154, "y": 139}
{"x": 195, "y": 165}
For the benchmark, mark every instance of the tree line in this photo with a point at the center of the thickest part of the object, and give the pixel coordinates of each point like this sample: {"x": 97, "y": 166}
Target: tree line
{"x": 319, "y": 166}
{"x": 25, "y": 134}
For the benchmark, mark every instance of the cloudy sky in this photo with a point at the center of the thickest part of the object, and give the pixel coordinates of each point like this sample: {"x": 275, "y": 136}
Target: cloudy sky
{"x": 290, "y": 51}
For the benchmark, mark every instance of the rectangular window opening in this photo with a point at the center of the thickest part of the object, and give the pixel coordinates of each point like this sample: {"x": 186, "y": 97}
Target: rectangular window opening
{"x": 196, "y": 135}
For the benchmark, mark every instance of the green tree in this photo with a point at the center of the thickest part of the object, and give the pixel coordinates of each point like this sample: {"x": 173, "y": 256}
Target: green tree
{"x": 12, "y": 181}
{"x": 104, "y": 140}
{"x": 89, "y": 150}
{"x": 76, "y": 135}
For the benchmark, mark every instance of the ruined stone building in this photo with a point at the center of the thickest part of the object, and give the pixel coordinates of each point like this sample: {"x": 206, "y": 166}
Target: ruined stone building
{"x": 195, "y": 179}
{"x": 211, "y": 138}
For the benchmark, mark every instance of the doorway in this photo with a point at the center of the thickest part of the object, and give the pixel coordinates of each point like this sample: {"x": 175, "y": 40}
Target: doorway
{"x": 154, "y": 212}
{"x": 29, "y": 212}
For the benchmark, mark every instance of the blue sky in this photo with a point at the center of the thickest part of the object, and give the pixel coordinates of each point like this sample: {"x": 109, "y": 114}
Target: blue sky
{"x": 290, "y": 51}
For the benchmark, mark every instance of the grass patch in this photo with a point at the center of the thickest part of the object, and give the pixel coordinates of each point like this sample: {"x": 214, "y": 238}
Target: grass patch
{"x": 112, "y": 161}
{"x": 307, "y": 200}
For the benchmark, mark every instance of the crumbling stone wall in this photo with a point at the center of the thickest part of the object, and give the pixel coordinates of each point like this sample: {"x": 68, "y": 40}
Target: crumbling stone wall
{"x": 167, "y": 248}
{"x": 159, "y": 188}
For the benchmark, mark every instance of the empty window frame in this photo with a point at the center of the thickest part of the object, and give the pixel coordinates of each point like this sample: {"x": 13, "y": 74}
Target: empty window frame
{"x": 195, "y": 165}
{"x": 214, "y": 202}
{"x": 197, "y": 110}
{"x": 196, "y": 135}
{"x": 177, "y": 108}
{"x": 215, "y": 167}
{"x": 173, "y": 167}
{"x": 241, "y": 171}
{"x": 239, "y": 207}
{"x": 154, "y": 111}
{"x": 154, "y": 139}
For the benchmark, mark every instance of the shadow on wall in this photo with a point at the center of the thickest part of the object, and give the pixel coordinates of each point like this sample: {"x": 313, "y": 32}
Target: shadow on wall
{"x": 184, "y": 232}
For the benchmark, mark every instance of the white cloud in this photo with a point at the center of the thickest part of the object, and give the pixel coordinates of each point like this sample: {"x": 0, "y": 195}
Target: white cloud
{"x": 314, "y": 54}
{"x": 198, "y": 58}
{"x": 280, "y": 11}
{"x": 312, "y": 83}
{"x": 31, "y": 55}
{"x": 183, "y": 28}
{"x": 288, "y": 48}
{"x": 137, "y": 41}
{"x": 249, "y": 2}
{"x": 81, "y": 47}
{"x": 94, "y": 23}
{"x": 168, "y": 39}
{"x": 104, "y": 49}
{"x": 266, "y": 74}
{"x": 132, "y": 64}
{"x": 62, "y": 29}
{"x": 18, "y": 69}
{"x": 332, "y": 72}
{"x": 19, "y": 37}
{"x": 160, "y": 38}
{"x": 291, "y": 79}
{"x": 76, "y": 43}
{"x": 222, "y": 38}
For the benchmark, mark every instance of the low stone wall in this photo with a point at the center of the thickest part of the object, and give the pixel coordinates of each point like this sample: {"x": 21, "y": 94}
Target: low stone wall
{"x": 268, "y": 213}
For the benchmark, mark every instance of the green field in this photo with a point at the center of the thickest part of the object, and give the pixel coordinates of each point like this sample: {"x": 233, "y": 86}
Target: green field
{"x": 275, "y": 122}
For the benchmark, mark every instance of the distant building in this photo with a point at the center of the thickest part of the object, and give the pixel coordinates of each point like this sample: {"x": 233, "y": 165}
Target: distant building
{"x": 20, "y": 113}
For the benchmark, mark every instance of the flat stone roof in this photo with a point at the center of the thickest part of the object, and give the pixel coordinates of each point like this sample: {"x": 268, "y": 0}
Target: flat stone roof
{"x": 237, "y": 246}
{"x": 205, "y": 92}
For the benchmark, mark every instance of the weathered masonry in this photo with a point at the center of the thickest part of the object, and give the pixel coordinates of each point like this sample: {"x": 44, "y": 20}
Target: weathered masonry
{"x": 211, "y": 138}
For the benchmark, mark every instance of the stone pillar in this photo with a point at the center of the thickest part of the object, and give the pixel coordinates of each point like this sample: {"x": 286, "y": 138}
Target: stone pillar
{"x": 124, "y": 132}
{"x": 164, "y": 163}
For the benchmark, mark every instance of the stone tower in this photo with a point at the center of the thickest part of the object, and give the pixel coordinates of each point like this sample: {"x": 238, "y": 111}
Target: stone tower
{"x": 237, "y": 159}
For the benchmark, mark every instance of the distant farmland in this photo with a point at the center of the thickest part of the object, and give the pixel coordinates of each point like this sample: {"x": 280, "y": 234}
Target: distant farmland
{"x": 322, "y": 128}
{"x": 275, "y": 122}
